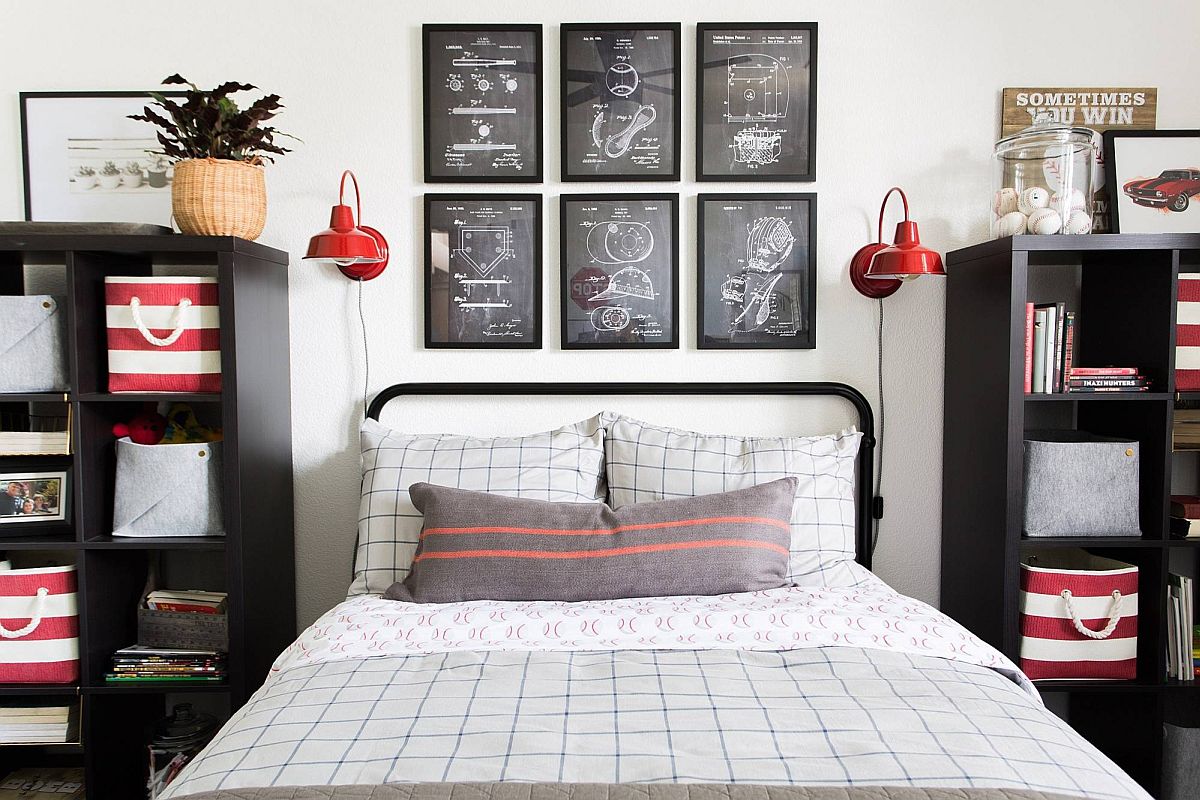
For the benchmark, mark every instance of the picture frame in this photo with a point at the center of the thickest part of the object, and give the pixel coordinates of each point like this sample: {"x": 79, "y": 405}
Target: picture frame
{"x": 619, "y": 269}
{"x": 64, "y": 135}
{"x": 488, "y": 301}
{"x": 1153, "y": 180}
{"x": 482, "y": 120}
{"x": 620, "y": 88}
{"x": 756, "y": 101}
{"x": 756, "y": 271}
{"x": 29, "y": 496}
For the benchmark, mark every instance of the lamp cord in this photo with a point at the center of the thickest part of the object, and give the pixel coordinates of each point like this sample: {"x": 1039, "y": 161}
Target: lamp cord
{"x": 882, "y": 423}
{"x": 362, "y": 320}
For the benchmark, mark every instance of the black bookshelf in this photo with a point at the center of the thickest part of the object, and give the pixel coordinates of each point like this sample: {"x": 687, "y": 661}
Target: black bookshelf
{"x": 254, "y": 562}
{"x": 1123, "y": 288}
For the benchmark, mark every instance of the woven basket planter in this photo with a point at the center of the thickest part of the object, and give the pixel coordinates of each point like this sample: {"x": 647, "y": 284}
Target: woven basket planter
{"x": 214, "y": 197}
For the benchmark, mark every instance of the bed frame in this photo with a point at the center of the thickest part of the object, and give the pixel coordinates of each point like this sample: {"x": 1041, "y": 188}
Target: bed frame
{"x": 868, "y": 507}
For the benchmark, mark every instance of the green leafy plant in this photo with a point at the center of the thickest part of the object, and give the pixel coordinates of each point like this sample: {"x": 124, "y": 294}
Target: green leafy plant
{"x": 85, "y": 172}
{"x": 210, "y": 124}
{"x": 110, "y": 169}
{"x": 133, "y": 168}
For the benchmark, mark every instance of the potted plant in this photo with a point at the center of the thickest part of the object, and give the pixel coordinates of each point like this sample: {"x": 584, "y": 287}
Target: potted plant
{"x": 218, "y": 149}
{"x": 156, "y": 173}
{"x": 133, "y": 175}
{"x": 110, "y": 176}
{"x": 85, "y": 177}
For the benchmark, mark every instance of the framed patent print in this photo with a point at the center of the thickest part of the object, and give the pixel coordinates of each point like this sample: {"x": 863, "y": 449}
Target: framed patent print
{"x": 756, "y": 101}
{"x": 482, "y": 103}
{"x": 483, "y": 271}
{"x": 619, "y": 263}
{"x": 757, "y": 277}
{"x": 620, "y": 112}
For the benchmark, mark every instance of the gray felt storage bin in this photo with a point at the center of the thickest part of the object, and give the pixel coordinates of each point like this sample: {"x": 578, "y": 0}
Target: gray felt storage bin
{"x": 1181, "y": 769}
{"x": 168, "y": 490}
{"x": 1077, "y": 484}
{"x": 31, "y": 344}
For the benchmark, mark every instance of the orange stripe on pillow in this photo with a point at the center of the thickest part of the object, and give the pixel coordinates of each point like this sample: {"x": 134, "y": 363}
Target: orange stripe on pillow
{"x": 647, "y": 526}
{"x": 615, "y": 551}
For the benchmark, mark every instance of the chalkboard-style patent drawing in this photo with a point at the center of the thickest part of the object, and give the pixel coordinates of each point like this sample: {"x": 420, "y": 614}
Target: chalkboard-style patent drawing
{"x": 757, "y": 89}
{"x": 620, "y": 89}
{"x": 620, "y": 271}
{"x": 619, "y": 242}
{"x": 482, "y": 103}
{"x": 483, "y": 271}
{"x": 757, "y": 271}
{"x": 756, "y": 101}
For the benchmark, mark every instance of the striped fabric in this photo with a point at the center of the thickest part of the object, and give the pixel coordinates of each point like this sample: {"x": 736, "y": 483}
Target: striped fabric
{"x": 479, "y": 546}
{"x": 163, "y": 334}
{"x": 1056, "y": 600}
{"x": 1187, "y": 334}
{"x": 39, "y": 640}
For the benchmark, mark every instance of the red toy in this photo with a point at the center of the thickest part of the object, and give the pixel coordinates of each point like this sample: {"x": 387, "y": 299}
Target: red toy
{"x": 146, "y": 428}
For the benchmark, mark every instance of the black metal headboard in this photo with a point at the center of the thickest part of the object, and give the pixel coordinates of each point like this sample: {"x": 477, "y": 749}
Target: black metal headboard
{"x": 864, "y": 484}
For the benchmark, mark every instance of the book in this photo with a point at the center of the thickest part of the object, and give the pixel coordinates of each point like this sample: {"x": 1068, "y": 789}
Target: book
{"x": 1183, "y": 528}
{"x": 1186, "y": 506}
{"x": 192, "y": 601}
{"x": 1120, "y": 389}
{"x": 1038, "y": 370}
{"x": 1028, "y": 348}
{"x": 1096, "y": 372}
{"x": 1108, "y": 382}
{"x": 1068, "y": 345}
{"x": 1049, "y": 353}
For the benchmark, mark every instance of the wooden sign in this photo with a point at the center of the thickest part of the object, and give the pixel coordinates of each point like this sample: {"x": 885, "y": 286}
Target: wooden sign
{"x": 1098, "y": 109}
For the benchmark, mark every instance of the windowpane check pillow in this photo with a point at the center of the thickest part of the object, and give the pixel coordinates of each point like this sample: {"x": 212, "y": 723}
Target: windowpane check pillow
{"x": 650, "y": 462}
{"x": 482, "y": 546}
{"x": 563, "y": 465}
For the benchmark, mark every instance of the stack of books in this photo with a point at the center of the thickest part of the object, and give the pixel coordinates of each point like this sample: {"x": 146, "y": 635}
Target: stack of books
{"x": 192, "y": 600}
{"x": 1185, "y": 516}
{"x": 1185, "y": 432}
{"x": 28, "y": 724}
{"x": 1106, "y": 379}
{"x": 1181, "y": 627}
{"x": 1049, "y": 347}
{"x": 139, "y": 663}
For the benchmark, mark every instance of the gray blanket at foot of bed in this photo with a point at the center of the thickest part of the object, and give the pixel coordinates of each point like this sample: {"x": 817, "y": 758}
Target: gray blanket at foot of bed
{"x": 614, "y": 791}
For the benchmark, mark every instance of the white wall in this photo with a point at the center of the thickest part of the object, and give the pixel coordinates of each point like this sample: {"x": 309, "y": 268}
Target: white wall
{"x": 909, "y": 95}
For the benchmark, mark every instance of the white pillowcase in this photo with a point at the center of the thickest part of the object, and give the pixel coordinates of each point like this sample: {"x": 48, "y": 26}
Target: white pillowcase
{"x": 650, "y": 462}
{"x": 564, "y": 465}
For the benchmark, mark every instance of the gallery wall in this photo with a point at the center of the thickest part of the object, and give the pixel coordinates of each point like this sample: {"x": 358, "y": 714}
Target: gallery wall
{"x": 908, "y": 94}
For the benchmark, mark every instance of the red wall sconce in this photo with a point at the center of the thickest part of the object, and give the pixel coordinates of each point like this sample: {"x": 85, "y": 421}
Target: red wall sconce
{"x": 358, "y": 250}
{"x": 878, "y": 269}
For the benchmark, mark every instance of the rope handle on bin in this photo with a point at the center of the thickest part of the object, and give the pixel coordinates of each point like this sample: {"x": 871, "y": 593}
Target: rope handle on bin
{"x": 35, "y": 618}
{"x": 135, "y": 308}
{"x": 1114, "y": 616}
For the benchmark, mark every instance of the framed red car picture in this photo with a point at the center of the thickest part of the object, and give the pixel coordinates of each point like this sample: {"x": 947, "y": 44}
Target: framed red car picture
{"x": 1154, "y": 180}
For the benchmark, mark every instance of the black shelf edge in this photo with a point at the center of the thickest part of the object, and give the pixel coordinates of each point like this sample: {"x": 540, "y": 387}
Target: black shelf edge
{"x": 148, "y": 397}
{"x": 155, "y": 543}
{"x": 44, "y": 689}
{"x": 1090, "y": 541}
{"x": 65, "y": 541}
{"x": 157, "y": 687}
{"x": 1093, "y": 396}
{"x": 1057, "y": 685}
{"x": 1069, "y": 244}
{"x": 35, "y": 397}
{"x": 140, "y": 244}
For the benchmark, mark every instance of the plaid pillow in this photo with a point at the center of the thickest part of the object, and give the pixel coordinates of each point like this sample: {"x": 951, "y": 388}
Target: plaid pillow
{"x": 564, "y": 465}
{"x": 650, "y": 462}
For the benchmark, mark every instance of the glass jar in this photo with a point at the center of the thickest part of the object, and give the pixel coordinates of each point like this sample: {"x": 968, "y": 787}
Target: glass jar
{"x": 1043, "y": 180}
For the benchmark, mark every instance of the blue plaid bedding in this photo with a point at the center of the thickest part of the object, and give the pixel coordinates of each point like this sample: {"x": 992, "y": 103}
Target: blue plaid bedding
{"x": 817, "y": 716}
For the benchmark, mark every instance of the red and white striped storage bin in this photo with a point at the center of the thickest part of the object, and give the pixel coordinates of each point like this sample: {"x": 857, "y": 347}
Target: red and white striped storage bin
{"x": 39, "y": 625}
{"x": 1187, "y": 334}
{"x": 163, "y": 334}
{"x": 1079, "y": 615}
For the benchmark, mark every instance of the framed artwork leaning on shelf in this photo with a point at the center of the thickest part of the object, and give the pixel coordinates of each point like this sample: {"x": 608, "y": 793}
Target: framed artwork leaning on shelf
{"x": 1153, "y": 180}
{"x": 28, "y": 496}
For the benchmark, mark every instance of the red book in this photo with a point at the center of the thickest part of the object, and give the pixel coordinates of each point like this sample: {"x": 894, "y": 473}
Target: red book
{"x": 1028, "y": 348}
{"x": 194, "y": 608}
{"x": 1185, "y": 505}
{"x": 1090, "y": 372}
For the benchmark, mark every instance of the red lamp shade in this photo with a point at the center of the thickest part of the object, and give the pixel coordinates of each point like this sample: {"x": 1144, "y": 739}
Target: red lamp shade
{"x": 359, "y": 251}
{"x": 878, "y": 269}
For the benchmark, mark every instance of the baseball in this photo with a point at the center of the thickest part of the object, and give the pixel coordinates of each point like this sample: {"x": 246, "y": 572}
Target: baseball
{"x": 1005, "y": 202}
{"x": 1044, "y": 220}
{"x": 1079, "y": 222}
{"x": 1032, "y": 199}
{"x": 1068, "y": 201}
{"x": 1011, "y": 224}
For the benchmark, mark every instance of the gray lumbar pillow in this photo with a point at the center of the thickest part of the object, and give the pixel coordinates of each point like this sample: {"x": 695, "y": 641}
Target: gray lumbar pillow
{"x": 480, "y": 546}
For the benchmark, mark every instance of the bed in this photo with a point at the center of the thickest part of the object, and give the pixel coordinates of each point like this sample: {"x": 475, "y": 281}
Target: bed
{"x": 812, "y": 691}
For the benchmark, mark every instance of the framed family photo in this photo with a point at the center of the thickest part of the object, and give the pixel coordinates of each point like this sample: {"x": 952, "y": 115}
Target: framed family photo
{"x": 483, "y": 103}
{"x": 28, "y": 496}
{"x": 1153, "y": 180}
{"x": 620, "y": 112}
{"x": 757, "y": 271}
{"x": 619, "y": 265}
{"x": 85, "y": 161}
{"x": 483, "y": 271}
{"x": 756, "y": 101}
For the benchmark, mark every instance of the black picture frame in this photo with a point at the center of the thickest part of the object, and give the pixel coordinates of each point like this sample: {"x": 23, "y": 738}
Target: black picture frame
{"x": 28, "y": 473}
{"x": 581, "y": 252}
{"x": 750, "y": 146}
{"x": 769, "y": 237}
{"x": 25, "y": 98}
{"x": 532, "y": 281}
{"x": 1116, "y": 177}
{"x": 628, "y": 89}
{"x": 530, "y": 124}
